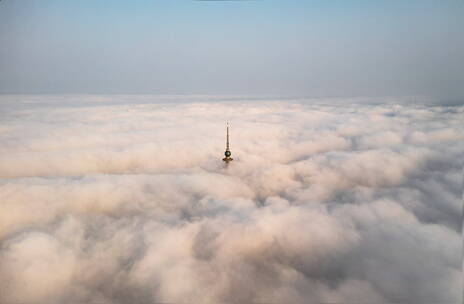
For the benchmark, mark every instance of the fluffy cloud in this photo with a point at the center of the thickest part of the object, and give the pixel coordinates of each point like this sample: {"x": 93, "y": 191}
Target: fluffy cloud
{"x": 126, "y": 200}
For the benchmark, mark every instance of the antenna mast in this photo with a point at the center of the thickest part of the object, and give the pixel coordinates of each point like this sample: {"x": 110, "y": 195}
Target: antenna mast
{"x": 227, "y": 143}
{"x": 227, "y": 159}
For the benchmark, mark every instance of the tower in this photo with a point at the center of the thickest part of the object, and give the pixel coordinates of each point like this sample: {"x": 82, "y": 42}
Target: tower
{"x": 227, "y": 159}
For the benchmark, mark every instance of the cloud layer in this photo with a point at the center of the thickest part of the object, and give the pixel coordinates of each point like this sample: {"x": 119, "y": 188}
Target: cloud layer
{"x": 126, "y": 200}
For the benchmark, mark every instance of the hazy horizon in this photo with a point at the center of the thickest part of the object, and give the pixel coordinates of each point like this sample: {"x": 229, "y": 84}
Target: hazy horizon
{"x": 312, "y": 48}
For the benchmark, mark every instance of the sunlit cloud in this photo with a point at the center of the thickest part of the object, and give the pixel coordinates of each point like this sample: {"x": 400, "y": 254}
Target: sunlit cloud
{"x": 127, "y": 200}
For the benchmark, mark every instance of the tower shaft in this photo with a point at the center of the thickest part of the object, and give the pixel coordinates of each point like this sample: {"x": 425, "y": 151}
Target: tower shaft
{"x": 227, "y": 159}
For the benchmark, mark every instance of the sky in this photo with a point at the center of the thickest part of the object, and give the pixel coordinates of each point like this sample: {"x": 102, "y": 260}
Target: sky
{"x": 126, "y": 199}
{"x": 294, "y": 47}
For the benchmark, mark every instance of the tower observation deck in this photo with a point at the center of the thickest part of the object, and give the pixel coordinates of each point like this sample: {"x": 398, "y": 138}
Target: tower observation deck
{"x": 227, "y": 159}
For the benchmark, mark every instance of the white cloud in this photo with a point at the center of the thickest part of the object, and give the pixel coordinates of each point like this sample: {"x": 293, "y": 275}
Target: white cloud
{"x": 124, "y": 200}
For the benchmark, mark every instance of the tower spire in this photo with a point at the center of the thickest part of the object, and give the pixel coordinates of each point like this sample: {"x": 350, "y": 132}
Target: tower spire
{"x": 227, "y": 159}
{"x": 227, "y": 142}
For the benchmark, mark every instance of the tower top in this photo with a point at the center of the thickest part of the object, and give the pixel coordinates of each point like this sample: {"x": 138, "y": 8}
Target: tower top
{"x": 227, "y": 141}
{"x": 227, "y": 154}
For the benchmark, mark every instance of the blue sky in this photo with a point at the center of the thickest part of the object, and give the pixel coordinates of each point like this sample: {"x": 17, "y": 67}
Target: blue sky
{"x": 293, "y": 47}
